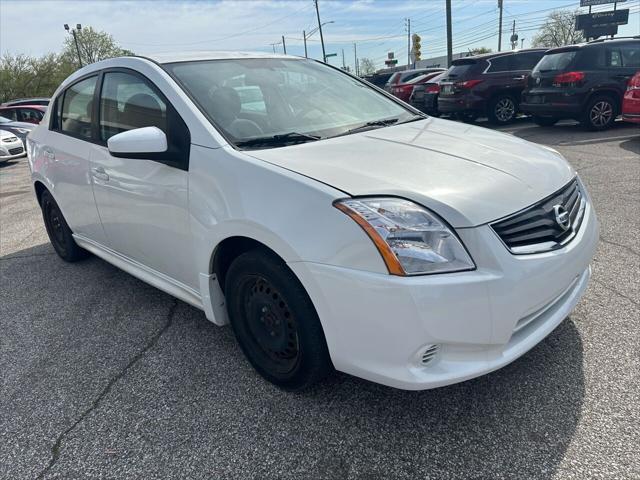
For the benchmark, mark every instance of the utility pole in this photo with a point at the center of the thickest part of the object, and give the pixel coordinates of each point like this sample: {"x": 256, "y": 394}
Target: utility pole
{"x": 355, "y": 59}
{"x": 324, "y": 55}
{"x": 304, "y": 37}
{"x": 522, "y": 43}
{"x": 273, "y": 45}
{"x": 514, "y": 37}
{"x": 500, "y": 27}
{"x": 344, "y": 66}
{"x": 407, "y": 22}
{"x": 284, "y": 45}
{"x": 449, "y": 35}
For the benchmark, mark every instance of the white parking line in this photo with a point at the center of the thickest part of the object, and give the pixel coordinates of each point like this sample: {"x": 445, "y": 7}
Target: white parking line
{"x": 597, "y": 140}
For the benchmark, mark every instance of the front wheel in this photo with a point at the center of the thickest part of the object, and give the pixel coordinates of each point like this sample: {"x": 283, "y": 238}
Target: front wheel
{"x": 60, "y": 234}
{"x": 600, "y": 113}
{"x": 275, "y": 321}
{"x": 502, "y": 110}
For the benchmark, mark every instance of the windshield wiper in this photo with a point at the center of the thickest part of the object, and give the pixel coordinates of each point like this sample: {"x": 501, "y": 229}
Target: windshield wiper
{"x": 380, "y": 123}
{"x": 280, "y": 139}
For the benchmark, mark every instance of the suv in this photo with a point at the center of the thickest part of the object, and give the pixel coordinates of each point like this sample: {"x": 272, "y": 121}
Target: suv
{"x": 584, "y": 82}
{"x": 488, "y": 85}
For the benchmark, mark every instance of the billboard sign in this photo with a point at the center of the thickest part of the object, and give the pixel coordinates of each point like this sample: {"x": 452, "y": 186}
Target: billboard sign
{"x": 601, "y": 31}
{"x": 590, "y": 3}
{"x": 602, "y": 19}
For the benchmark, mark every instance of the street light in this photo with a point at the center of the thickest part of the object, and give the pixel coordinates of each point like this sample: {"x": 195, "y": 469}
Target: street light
{"x": 306, "y": 35}
{"x": 75, "y": 38}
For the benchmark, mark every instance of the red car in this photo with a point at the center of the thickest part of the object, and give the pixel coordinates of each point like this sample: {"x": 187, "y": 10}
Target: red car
{"x": 403, "y": 90}
{"x": 631, "y": 100}
{"x": 24, "y": 113}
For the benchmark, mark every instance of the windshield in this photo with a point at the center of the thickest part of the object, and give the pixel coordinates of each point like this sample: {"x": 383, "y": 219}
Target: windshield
{"x": 555, "y": 61}
{"x": 250, "y": 99}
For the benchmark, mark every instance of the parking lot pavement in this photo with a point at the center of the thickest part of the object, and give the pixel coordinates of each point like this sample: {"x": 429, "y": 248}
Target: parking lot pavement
{"x": 106, "y": 377}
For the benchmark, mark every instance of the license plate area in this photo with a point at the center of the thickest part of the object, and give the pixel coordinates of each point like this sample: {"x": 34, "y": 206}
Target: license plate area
{"x": 447, "y": 89}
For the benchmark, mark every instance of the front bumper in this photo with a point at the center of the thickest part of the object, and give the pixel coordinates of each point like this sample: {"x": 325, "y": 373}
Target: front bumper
{"x": 378, "y": 327}
{"x": 11, "y": 151}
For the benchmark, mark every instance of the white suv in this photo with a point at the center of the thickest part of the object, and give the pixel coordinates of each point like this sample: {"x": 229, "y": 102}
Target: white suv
{"x": 329, "y": 223}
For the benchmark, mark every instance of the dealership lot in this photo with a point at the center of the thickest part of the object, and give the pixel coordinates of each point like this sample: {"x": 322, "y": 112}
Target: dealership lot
{"x": 104, "y": 376}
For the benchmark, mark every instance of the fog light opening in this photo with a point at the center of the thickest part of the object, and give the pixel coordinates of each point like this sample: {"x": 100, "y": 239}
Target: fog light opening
{"x": 429, "y": 354}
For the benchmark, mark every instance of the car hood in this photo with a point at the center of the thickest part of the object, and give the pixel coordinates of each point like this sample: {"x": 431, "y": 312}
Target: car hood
{"x": 468, "y": 175}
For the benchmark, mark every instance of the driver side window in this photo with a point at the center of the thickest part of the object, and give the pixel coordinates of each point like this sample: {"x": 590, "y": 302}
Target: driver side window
{"x": 128, "y": 102}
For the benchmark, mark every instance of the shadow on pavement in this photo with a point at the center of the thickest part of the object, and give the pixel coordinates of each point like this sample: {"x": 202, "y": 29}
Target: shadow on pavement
{"x": 192, "y": 399}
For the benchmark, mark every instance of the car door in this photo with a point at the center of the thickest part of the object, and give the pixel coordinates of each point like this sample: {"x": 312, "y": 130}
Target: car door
{"x": 143, "y": 201}
{"x": 623, "y": 62}
{"x": 65, "y": 149}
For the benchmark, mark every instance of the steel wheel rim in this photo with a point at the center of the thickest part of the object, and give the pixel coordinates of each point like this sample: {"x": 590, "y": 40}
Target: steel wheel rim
{"x": 270, "y": 326}
{"x": 55, "y": 226}
{"x": 505, "y": 109}
{"x": 601, "y": 113}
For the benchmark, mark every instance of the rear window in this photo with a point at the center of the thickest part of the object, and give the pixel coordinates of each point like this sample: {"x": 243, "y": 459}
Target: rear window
{"x": 555, "y": 61}
{"x": 409, "y": 76}
{"x": 461, "y": 68}
{"x": 393, "y": 78}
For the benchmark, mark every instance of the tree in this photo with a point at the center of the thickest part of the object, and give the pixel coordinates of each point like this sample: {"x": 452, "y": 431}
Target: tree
{"x": 94, "y": 46}
{"x": 558, "y": 30}
{"x": 479, "y": 50}
{"x": 367, "y": 67}
{"x": 25, "y": 76}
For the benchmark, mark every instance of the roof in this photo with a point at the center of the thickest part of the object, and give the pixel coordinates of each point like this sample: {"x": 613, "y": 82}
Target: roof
{"x": 11, "y": 107}
{"x": 210, "y": 55}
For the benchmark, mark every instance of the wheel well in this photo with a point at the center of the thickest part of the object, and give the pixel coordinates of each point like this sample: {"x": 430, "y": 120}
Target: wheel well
{"x": 230, "y": 249}
{"x": 615, "y": 96}
{"x": 40, "y": 188}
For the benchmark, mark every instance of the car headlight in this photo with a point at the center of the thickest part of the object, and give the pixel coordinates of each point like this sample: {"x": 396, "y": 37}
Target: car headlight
{"x": 411, "y": 239}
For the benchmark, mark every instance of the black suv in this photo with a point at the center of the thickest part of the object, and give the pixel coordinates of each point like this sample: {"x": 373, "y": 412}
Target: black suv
{"x": 584, "y": 82}
{"x": 489, "y": 84}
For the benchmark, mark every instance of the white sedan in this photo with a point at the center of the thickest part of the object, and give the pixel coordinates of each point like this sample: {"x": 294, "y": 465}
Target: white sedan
{"x": 10, "y": 146}
{"x": 331, "y": 224}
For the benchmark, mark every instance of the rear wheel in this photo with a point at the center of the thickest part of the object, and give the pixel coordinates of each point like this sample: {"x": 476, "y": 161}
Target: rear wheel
{"x": 600, "y": 113}
{"x": 60, "y": 234}
{"x": 545, "y": 121}
{"x": 502, "y": 109}
{"x": 275, "y": 321}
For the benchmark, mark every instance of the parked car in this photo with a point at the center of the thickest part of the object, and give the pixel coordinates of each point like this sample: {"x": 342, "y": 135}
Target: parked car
{"x": 26, "y": 101}
{"x": 24, "y": 113}
{"x": 19, "y": 129}
{"x": 378, "y": 79}
{"x": 339, "y": 228}
{"x": 403, "y": 90}
{"x": 424, "y": 97}
{"x": 631, "y": 101}
{"x": 487, "y": 85}
{"x": 10, "y": 146}
{"x": 584, "y": 82}
{"x": 406, "y": 75}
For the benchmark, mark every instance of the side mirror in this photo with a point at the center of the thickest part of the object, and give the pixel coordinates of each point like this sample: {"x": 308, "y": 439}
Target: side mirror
{"x": 138, "y": 143}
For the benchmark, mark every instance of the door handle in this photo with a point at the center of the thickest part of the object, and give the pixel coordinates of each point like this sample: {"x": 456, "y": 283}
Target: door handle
{"x": 47, "y": 152}
{"x": 99, "y": 173}
{"x": 521, "y": 77}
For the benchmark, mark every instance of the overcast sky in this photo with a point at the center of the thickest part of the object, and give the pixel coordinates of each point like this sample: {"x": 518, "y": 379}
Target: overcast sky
{"x": 378, "y": 26}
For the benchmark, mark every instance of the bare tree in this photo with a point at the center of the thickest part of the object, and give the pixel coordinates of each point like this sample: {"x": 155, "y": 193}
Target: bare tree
{"x": 367, "y": 67}
{"x": 479, "y": 50}
{"x": 558, "y": 30}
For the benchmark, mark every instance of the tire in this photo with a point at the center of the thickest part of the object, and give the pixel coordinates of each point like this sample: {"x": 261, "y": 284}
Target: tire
{"x": 275, "y": 322}
{"x": 600, "y": 113}
{"x": 502, "y": 109}
{"x": 60, "y": 235}
{"x": 545, "y": 121}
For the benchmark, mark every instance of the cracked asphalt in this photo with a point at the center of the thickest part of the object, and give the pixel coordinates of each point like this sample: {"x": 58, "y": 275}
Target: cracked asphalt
{"x": 103, "y": 376}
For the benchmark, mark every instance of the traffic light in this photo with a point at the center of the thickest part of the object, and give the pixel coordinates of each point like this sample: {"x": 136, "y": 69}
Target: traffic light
{"x": 416, "y": 46}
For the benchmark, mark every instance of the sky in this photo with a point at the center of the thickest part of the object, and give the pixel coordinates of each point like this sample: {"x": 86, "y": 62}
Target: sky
{"x": 376, "y": 26}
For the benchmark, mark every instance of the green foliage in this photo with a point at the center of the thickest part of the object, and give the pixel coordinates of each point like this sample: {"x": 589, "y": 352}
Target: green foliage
{"x": 26, "y": 76}
{"x": 558, "y": 30}
{"x": 479, "y": 50}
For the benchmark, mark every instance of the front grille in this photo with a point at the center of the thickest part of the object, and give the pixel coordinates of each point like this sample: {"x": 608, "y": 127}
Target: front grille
{"x": 16, "y": 151}
{"x": 9, "y": 139}
{"x": 546, "y": 225}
